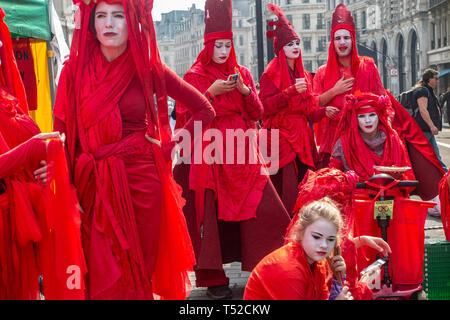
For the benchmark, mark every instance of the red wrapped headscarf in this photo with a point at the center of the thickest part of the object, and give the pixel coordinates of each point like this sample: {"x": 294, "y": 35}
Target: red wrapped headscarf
{"x": 359, "y": 156}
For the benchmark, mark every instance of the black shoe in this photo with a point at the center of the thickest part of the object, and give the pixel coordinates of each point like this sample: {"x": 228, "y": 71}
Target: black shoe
{"x": 219, "y": 292}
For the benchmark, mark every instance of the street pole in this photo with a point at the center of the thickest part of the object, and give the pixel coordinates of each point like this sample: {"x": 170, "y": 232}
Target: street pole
{"x": 259, "y": 38}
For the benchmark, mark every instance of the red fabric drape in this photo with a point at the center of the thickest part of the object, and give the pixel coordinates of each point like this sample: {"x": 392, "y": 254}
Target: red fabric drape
{"x": 121, "y": 257}
{"x": 285, "y": 274}
{"x": 296, "y": 138}
{"x": 10, "y": 76}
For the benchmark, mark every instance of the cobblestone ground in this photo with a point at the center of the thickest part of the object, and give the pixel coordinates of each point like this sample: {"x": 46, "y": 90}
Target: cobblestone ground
{"x": 238, "y": 278}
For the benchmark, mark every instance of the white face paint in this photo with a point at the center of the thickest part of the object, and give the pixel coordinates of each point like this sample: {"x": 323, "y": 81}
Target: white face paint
{"x": 318, "y": 240}
{"x": 292, "y": 49}
{"x": 222, "y": 49}
{"x": 111, "y": 25}
{"x": 342, "y": 42}
{"x": 368, "y": 123}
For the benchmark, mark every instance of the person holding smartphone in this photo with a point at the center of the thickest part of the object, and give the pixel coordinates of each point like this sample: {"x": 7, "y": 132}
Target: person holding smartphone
{"x": 233, "y": 211}
{"x": 289, "y": 106}
{"x": 298, "y": 270}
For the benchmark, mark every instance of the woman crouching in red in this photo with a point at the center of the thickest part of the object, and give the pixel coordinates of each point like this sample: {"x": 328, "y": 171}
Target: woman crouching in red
{"x": 298, "y": 270}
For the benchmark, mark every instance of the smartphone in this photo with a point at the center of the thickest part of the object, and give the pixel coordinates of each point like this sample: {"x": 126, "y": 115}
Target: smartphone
{"x": 233, "y": 77}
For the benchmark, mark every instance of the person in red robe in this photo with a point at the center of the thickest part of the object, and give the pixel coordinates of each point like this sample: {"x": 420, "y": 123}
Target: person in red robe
{"x": 339, "y": 186}
{"x": 289, "y": 107}
{"x": 112, "y": 105}
{"x": 345, "y": 72}
{"x": 235, "y": 213}
{"x": 368, "y": 139}
{"x": 38, "y": 226}
{"x": 298, "y": 270}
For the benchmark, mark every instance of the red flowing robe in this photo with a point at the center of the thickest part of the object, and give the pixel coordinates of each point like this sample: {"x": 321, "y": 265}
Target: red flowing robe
{"x": 19, "y": 225}
{"x": 367, "y": 79}
{"x": 135, "y": 240}
{"x": 289, "y": 112}
{"x": 426, "y": 166}
{"x": 285, "y": 274}
{"x": 238, "y": 187}
{"x": 444, "y": 197}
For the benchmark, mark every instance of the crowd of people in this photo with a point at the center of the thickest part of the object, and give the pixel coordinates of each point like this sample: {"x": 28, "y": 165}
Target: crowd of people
{"x": 99, "y": 200}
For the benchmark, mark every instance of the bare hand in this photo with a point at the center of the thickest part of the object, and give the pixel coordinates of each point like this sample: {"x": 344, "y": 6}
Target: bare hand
{"x": 337, "y": 264}
{"x": 41, "y": 174}
{"x": 331, "y": 112}
{"x": 301, "y": 87}
{"x": 220, "y": 87}
{"x": 343, "y": 85}
{"x": 434, "y": 130}
{"x": 375, "y": 243}
{"x": 241, "y": 87}
{"x": 345, "y": 294}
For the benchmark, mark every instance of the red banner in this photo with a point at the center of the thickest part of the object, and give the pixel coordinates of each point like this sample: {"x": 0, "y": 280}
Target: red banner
{"x": 25, "y": 63}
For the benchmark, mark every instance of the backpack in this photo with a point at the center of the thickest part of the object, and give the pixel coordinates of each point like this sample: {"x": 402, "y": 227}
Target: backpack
{"x": 408, "y": 102}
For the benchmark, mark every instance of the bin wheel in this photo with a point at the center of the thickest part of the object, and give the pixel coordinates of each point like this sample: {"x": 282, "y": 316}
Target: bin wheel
{"x": 419, "y": 295}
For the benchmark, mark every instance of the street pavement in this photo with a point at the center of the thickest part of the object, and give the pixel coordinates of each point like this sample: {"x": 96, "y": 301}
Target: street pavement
{"x": 238, "y": 278}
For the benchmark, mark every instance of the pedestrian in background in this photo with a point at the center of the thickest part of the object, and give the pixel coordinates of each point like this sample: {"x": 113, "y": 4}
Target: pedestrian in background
{"x": 429, "y": 116}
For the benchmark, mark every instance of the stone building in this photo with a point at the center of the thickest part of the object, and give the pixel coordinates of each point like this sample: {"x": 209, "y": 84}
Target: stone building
{"x": 66, "y": 10}
{"x": 405, "y": 37}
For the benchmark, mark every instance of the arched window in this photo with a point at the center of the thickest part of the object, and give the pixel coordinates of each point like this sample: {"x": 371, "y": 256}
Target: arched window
{"x": 414, "y": 49}
{"x": 385, "y": 70}
{"x": 401, "y": 64}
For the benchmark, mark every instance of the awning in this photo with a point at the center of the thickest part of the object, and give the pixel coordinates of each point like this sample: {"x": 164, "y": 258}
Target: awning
{"x": 27, "y": 18}
{"x": 443, "y": 72}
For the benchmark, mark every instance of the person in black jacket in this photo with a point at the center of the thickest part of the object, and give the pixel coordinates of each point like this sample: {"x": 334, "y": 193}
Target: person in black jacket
{"x": 429, "y": 116}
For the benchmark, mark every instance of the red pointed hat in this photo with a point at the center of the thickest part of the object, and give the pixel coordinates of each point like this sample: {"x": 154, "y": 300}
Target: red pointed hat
{"x": 218, "y": 20}
{"x": 283, "y": 33}
{"x": 342, "y": 16}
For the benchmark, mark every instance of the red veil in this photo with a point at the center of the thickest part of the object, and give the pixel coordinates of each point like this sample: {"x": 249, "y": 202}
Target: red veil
{"x": 10, "y": 76}
{"x": 358, "y": 155}
{"x": 174, "y": 255}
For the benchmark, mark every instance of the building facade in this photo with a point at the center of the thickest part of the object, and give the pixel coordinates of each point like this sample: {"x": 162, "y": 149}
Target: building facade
{"x": 66, "y": 10}
{"x": 405, "y": 37}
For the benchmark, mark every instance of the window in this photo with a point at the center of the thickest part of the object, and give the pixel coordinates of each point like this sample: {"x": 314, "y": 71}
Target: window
{"x": 306, "y": 44}
{"x": 321, "y": 43}
{"x": 241, "y": 41}
{"x": 433, "y": 36}
{"x": 305, "y": 1}
{"x": 320, "y": 23}
{"x": 306, "y": 21}
{"x": 363, "y": 21}
{"x": 308, "y": 65}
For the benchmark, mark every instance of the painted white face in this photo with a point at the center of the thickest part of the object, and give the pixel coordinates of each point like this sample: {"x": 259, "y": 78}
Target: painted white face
{"x": 342, "y": 42}
{"x": 111, "y": 25}
{"x": 292, "y": 49}
{"x": 222, "y": 49}
{"x": 368, "y": 122}
{"x": 318, "y": 240}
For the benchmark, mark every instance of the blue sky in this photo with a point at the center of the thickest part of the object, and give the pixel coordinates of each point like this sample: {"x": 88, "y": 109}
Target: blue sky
{"x": 162, "y": 6}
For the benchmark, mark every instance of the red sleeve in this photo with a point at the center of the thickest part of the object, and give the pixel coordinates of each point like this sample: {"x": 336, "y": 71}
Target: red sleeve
{"x": 183, "y": 92}
{"x": 25, "y": 155}
{"x": 276, "y": 282}
{"x": 253, "y": 105}
{"x": 271, "y": 97}
{"x": 318, "y": 81}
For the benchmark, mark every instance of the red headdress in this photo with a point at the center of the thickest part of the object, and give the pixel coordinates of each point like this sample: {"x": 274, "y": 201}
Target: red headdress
{"x": 359, "y": 156}
{"x": 218, "y": 25}
{"x": 283, "y": 33}
{"x": 342, "y": 19}
{"x": 327, "y": 182}
{"x": 9, "y": 75}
